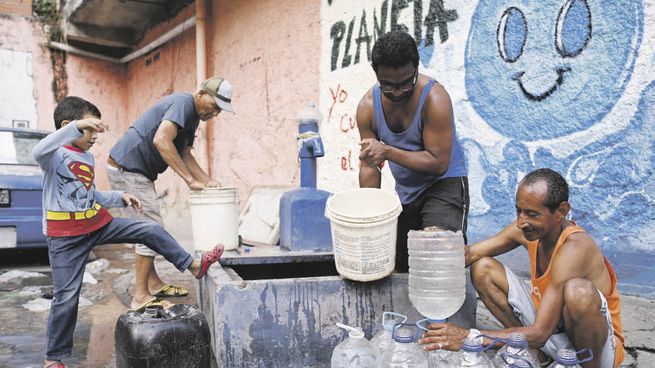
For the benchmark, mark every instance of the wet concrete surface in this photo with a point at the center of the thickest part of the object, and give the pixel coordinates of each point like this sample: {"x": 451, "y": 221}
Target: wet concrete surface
{"x": 22, "y": 331}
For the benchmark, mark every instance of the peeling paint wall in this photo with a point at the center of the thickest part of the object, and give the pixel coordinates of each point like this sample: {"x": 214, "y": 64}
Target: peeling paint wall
{"x": 22, "y": 37}
{"x": 18, "y": 7}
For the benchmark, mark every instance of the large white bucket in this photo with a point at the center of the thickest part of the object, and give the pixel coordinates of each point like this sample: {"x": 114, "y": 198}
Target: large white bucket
{"x": 215, "y": 218}
{"x": 363, "y": 223}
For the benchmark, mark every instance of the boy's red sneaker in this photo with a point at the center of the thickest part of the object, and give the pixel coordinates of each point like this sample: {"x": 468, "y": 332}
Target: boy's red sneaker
{"x": 209, "y": 258}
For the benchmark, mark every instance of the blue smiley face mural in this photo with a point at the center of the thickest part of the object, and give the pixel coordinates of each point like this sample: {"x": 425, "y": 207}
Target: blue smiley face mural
{"x": 544, "y": 69}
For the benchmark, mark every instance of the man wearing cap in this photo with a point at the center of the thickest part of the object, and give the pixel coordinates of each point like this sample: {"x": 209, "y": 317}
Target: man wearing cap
{"x": 162, "y": 137}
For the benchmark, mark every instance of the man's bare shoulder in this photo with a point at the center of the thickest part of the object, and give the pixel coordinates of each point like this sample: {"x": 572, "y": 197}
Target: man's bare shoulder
{"x": 579, "y": 249}
{"x": 581, "y": 241}
{"x": 438, "y": 110}
{"x": 438, "y": 96}
{"x": 366, "y": 102}
{"x": 365, "y": 109}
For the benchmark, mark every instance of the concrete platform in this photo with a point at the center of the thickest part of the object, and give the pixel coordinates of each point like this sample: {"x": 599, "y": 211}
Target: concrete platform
{"x": 282, "y": 312}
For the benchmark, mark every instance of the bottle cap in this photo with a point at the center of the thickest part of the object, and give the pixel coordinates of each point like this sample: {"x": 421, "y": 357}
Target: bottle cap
{"x": 390, "y": 319}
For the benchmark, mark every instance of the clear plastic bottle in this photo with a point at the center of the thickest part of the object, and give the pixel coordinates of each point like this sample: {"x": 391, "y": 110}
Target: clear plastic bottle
{"x": 568, "y": 358}
{"x": 473, "y": 355}
{"x": 515, "y": 352}
{"x": 383, "y": 339}
{"x": 437, "y": 278}
{"x": 439, "y": 358}
{"x": 355, "y": 351}
{"x": 403, "y": 351}
{"x": 310, "y": 115}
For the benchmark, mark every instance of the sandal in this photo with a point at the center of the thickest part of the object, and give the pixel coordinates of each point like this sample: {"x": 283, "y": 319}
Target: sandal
{"x": 209, "y": 258}
{"x": 171, "y": 291}
{"x": 56, "y": 365}
{"x": 154, "y": 302}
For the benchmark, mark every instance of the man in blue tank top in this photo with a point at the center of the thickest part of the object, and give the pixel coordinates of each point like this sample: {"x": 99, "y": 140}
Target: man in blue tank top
{"x": 407, "y": 120}
{"x": 163, "y": 136}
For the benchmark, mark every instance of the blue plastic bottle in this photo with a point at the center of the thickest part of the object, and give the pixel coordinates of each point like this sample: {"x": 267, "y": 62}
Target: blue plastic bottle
{"x": 568, "y": 358}
{"x": 473, "y": 354}
{"x": 515, "y": 349}
{"x": 404, "y": 352}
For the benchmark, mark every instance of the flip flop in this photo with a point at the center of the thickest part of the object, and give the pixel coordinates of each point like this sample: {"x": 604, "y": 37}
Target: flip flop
{"x": 56, "y": 365}
{"x": 209, "y": 258}
{"x": 154, "y": 302}
{"x": 171, "y": 291}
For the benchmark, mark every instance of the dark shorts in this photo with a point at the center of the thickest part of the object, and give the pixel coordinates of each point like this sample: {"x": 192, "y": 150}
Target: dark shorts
{"x": 444, "y": 204}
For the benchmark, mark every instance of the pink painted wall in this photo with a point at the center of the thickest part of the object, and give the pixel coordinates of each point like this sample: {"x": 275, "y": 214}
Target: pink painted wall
{"x": 270, "y": 52}
{"x": 274, "y": 71}
{"x": 268, "y": 49}
{"x": 20, "y": 33}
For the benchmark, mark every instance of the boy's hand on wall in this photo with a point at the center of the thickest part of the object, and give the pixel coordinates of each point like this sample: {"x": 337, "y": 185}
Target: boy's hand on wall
{"x": 130, "y": 200}
{"x": 92, "y": 124}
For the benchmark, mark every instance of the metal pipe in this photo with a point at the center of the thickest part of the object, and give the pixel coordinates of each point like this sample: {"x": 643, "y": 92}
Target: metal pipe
{"x": 201, "y": 74}
{"x": 201, "y": 44}
{"x": 160, "y": 40}
{"x": 75, "y": 50}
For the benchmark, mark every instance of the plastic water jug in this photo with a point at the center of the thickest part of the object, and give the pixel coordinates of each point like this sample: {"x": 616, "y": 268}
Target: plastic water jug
{"x": 355, "y": 351}
{"x": 437, "y": 279}
{"x": 403, "y": 351}
{"x": 473, "y": 354}
{"x": 568, "y": 358}
{"x": 515, "y": 352}
{"x": 438, "y": 358}
{"x": 383, "y": 339}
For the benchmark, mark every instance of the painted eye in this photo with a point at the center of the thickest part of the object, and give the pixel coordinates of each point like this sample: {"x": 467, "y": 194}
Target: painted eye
{"x": 573, "y": 31}
{"x": 512, "y": 33}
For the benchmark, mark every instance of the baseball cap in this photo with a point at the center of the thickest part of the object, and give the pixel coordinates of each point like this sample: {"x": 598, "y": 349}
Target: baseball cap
{"x": 221, "y": 90}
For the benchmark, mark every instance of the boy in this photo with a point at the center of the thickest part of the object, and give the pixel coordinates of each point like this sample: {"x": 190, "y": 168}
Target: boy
{"x": 75, "y": 220}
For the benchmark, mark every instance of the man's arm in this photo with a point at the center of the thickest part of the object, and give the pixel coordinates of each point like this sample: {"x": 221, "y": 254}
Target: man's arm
{"x": 163, "y": 141}
{"x": 369, "y": 175}
{"x": 437, "y": 118}
{"x": 506, "y": 240}
{"x": 194, "y": 168}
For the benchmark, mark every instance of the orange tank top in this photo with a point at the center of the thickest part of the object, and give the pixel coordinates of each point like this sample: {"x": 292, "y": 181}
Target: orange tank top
{"x": 539, "y": 285}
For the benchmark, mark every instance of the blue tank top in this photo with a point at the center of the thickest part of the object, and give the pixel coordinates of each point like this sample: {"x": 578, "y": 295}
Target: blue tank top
{"x": 410, "y": 184}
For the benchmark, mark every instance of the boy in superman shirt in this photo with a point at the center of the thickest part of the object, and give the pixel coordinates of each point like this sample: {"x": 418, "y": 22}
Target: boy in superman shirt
{"x": 75, "y": 220}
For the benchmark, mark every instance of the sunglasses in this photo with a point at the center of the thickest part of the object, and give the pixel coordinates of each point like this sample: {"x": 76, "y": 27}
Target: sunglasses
{"x": 405, "y": 86}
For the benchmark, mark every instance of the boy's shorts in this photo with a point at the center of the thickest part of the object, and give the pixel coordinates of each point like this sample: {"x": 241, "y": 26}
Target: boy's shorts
{"x": 521, "y": 302}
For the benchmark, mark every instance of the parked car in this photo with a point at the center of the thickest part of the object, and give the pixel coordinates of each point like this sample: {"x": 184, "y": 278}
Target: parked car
{"x": 20, "y": 190}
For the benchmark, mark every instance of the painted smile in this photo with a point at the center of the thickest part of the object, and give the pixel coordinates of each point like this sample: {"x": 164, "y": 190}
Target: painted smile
{"x": 543, "y": 96}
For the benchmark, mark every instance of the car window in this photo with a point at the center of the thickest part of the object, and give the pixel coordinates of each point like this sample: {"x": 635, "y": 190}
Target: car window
{"x": 16, "y": 147}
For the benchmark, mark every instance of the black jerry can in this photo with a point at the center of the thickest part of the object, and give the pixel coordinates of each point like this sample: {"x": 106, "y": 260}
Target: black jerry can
{"x": 178, "y": 337}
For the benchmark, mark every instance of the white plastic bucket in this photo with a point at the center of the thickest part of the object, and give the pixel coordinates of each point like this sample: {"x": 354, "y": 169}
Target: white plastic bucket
{"x": 215, "y": 218}
{"x": 363, "y": 223}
